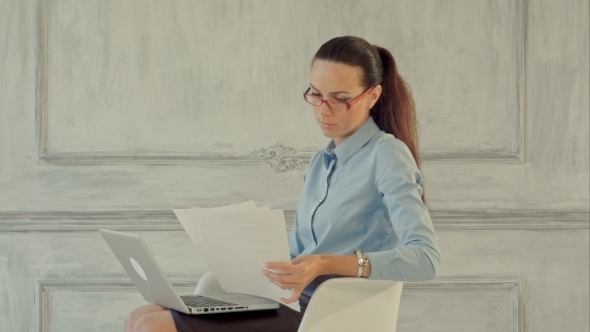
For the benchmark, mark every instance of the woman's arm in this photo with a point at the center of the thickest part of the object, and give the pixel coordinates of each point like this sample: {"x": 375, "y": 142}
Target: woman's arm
{"x": 398, "y": 179}
{"x": 416, "y": 257}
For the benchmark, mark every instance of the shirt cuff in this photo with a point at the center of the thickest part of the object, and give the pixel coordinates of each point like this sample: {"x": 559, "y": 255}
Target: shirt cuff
{"x": 379, "y": 265}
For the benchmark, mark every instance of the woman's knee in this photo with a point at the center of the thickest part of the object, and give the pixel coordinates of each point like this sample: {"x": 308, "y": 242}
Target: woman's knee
{"x": 136, "y": 314}
{"x": 158, "y": 321}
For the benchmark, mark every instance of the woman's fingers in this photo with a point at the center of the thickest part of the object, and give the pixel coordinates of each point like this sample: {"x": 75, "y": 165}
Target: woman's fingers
{"x": 282, "y": 278}
{"x": 293, "y": 298}
{"x": 282, "y": 281}
{"x": 283, "y": 272}
{"x": 296, "y": 291}
{"x": 295, "y": 275}
{"x": 278, "y": 284}
{"x": 279, "y": 267}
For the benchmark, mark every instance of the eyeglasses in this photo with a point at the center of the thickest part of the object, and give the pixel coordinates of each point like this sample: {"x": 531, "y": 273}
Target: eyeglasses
{"x": 334, "y": 105}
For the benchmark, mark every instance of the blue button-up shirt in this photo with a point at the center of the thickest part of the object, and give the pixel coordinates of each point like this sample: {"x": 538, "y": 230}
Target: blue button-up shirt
{"x": 365, "y": 194}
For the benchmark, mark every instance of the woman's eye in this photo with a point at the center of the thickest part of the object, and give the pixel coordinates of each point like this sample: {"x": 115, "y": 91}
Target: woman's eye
{"x": 342, "y": 100}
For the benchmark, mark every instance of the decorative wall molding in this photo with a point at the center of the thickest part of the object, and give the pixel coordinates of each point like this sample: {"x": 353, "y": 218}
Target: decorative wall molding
{"x": 81, "y": 221}
{"x": 44, "y": 286}
{"x": 515, "y": 285}
{"x": 158, "y": 220}
{"x": 44, "y": 156}
{"x": 523, "y": 219}
{"x": 209, "y": 158}
{"x": 158, "y": 158}
{"x": 280, "y": 158}
{"x": 518, "y": 120}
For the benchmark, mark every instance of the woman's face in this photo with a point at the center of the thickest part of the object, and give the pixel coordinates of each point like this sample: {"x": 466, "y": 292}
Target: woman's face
{"x": 337, "y": 81}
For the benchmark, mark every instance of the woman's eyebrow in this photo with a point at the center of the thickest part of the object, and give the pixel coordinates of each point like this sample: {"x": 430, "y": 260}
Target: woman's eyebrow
{"x": 331, "y": 93}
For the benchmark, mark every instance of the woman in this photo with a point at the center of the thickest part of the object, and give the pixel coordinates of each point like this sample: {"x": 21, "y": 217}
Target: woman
{"x": 361, "y": 212}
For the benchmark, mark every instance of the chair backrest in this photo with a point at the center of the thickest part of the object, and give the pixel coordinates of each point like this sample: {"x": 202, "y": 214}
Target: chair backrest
{"x": 353, "y": 304}
{"x": 208, "y": 285}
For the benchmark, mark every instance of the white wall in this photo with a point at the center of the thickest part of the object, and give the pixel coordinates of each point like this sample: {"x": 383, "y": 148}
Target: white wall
{"x": 114, "y": 112}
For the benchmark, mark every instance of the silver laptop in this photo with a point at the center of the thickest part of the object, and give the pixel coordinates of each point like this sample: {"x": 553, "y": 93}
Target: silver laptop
{"x": 155, "y": 287}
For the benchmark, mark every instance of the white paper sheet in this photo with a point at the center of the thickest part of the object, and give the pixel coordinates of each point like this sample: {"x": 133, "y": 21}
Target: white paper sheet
{"x": 187, "y": 217}
{"x": 236, "y": 241}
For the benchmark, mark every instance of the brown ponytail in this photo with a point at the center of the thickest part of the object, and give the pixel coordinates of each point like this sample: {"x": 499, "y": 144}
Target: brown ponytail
{"x": 394, "y": 112}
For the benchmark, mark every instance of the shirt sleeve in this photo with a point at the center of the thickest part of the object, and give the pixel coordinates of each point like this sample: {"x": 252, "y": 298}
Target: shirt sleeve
{"x": 295, "y": 245}
{"x": 398, "y": 180}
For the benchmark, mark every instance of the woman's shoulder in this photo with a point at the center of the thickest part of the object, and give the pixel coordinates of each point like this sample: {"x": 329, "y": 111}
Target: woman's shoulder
{"x": 389, "y": 148}
{"x": 394, "y": 161}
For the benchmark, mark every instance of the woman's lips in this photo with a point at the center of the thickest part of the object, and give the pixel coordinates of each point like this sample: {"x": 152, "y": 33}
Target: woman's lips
{"x": 326, "y": 125}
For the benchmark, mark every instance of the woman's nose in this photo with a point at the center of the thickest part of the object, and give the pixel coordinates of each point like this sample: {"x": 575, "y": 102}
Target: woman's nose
{"x": 324, "y": 109}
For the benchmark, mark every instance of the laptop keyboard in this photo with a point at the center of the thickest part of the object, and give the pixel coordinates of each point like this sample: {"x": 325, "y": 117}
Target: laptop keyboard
{"x": 203, "y": 301}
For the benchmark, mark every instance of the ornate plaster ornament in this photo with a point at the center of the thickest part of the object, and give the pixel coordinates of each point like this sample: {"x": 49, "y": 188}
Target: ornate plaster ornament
{"x": 279, "y": 157}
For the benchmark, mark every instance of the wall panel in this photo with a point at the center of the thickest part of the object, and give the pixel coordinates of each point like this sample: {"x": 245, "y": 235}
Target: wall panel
{"x": 101, "y": 304}
{"x": 167, "y": 90}
{"x": 517, "y": 279}
{"x": 114, "y": 112}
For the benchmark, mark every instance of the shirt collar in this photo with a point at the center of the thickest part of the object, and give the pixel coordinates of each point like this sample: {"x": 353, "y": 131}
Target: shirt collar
{"x": 352, "y": 144}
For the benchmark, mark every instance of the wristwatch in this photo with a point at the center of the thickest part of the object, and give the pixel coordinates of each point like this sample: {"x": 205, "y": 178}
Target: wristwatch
{"x": 362, "y": 262}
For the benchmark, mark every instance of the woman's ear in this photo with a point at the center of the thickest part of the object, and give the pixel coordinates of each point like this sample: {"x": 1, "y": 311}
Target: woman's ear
{"x": 374, "y": 95}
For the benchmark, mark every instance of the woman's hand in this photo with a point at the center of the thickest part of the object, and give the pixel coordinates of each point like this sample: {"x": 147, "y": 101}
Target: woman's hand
{"x": 298, "y": 274}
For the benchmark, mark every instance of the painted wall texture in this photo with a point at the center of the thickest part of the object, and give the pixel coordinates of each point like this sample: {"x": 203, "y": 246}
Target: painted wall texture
{"x": 114, "y": 112}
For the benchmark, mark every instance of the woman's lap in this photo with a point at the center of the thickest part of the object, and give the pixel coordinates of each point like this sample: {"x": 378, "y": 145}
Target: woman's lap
{"x": 282, "y": 319}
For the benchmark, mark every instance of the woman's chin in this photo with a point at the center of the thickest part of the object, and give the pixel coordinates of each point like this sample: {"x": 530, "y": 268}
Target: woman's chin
{"x": 329, "y": 133}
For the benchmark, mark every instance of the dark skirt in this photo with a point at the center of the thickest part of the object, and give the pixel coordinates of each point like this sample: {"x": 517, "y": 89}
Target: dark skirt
{"x": 282, "y": 319}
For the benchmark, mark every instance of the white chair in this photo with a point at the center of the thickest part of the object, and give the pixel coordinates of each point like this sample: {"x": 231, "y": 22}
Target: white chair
{"x": 353, "y": 304}
{"x": 341, "y": 304}
{"x": 208, "y": 285}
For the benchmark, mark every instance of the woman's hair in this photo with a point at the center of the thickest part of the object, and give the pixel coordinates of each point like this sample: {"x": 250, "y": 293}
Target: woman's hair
{"x": 394, "y": 112}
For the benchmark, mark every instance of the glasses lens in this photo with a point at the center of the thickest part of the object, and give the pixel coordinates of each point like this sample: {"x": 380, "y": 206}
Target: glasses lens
{"x": 337, "y": 105}
{"x": 314, "y": 100}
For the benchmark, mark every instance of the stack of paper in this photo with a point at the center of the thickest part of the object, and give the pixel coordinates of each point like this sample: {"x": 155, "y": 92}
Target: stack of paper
{"x": 236, "y": 241}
